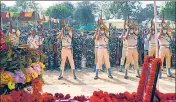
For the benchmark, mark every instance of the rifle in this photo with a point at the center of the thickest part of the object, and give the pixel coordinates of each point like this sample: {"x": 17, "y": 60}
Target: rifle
{"x": 63, "y": 25}
{"x": 172, "y": 44}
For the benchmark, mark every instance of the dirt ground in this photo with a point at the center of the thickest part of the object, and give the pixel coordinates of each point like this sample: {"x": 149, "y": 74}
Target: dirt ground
{"x": 85, "y": 84}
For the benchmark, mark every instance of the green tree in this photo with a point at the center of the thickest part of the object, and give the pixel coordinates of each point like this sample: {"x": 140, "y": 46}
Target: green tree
{"x": 122, "y": 9}
{"x": 84, "y": 13}
{"x": 60, "y": 10}
{"x": 4, "y": 7}
{"x": 13, "y": 9}
{"x": 26, "y": 5}
{"x": 105, "y": 7}
{"x": 168, "y": 10}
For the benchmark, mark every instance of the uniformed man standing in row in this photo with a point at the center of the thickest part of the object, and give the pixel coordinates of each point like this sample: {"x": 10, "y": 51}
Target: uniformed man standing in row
{"x": 66, "y": 52}
{"x": 124, "y": 48}
{"x": 132, "y": 53}
{"x": 164, "y": 38}
{"x": 102, "y": 38}
{"x": 95, "y": 50}
{"x": 151, "y": 39}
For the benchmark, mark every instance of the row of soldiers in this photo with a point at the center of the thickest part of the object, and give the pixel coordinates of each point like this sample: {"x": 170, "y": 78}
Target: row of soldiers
{"x": 130, "y": 52}
{"x": 129, "y": 38}
{"x": 130, "y": 41}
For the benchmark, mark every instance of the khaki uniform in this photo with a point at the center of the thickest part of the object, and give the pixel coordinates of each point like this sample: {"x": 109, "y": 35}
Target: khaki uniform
{"x": 164, "y": 51}
{"x": 124, "y": 50}
{"x": 102, "y": 52}
{"x": 132, "y": 53}
{"x": 96, "y": 48}
{"x": 66, "y": 51}
{"x": 152, "y": 46}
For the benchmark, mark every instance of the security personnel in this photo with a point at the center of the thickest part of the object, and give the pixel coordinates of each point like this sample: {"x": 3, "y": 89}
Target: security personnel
{"x": 164, "y": 38}
{"x": 66, "y": 52}
{"x": 151, "y": 39}
{"x": 102, "y": 38}
{"x": 124, "y": 49}
{"x": 95, "y": 50}
{"x": 132, "y": 53}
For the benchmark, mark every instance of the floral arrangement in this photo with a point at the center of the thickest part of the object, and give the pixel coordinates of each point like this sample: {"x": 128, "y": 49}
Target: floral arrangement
{"x": 27, "y": 94}
{"x": 100, "y": 96}
{"x": 144, "y": 77}
{"x": 171, "y": 97}
{"x": 150, "y": 83}
{"x": 19, "y": 77}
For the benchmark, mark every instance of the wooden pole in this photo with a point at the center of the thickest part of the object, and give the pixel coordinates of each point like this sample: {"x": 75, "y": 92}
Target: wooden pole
{"x": 156, "y": 40}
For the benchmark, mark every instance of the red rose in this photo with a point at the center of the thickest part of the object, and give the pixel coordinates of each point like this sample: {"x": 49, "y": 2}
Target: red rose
{"x": 2, "y": 41}
{"x": 1, "y": 33}
{"x": 67, "y": 96}
{"x": 3, "y": 47}
{"x": 61, "y": 95}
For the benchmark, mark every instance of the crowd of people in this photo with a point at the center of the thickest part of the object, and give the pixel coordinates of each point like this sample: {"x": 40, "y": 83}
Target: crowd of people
{"x": 102, "y": 48}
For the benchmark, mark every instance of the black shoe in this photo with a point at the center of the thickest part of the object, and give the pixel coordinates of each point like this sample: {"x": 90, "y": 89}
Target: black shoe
{"x": 171, "y": 76}
{"x": 75, "y": 77}
{"x": 120, "y": 70}
{"x": 102, "y": 70}
{"x": 110, "y": 76}
{"x": 61, "y": 77}
{"x": 96, "y": 77}
{"x": 137, "y": 76}
{"x": 125, "y": 77}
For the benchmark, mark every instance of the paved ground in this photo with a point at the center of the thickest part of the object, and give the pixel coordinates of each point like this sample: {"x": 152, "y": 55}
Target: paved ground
{"x": 85, "y": 84}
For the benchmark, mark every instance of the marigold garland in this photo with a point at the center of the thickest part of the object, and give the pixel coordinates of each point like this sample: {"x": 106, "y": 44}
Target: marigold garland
{"x": 150, "y": 83}
{"x": 5, "y": 98}
{"x": 142, "y": 81}
{"x": 37, "y": 85}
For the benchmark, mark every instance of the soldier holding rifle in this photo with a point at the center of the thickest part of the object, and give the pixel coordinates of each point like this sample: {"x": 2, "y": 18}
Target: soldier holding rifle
{"x": 164, "y": 38}
{"x": 132, "y": 53}
{"x": 102, "y": 37}
{"x": 151, "y": 39}
{"x": 125, "y": 46}
{"x": 66, "y": 52}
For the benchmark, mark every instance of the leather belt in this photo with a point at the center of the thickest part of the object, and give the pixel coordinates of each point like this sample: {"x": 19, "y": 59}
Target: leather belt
{"x": 132, "y": 47}
{"x": 96, "y": 46}
{"x": 125, "y": 46}
{"x": 67, "y": 46}
{"x": 167, "y": 46}
{"x": 101, "y": 46}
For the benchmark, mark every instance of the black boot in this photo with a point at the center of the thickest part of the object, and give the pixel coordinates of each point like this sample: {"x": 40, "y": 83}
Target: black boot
{"x": 96, "y": 76}
{"x": 169, "y": 74}
{"x": 160, "y": 75}
{"x": 74, "y": 74}
{"x": 137, "y": 74}
{"x": 103, "y": 68}
{"x": 94, "y": 68}
{"x": 60, "y": 76}
{"x": 120, "y": 70}
{"x": 109, "y": 73}
{"x": 126, "y": 74}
